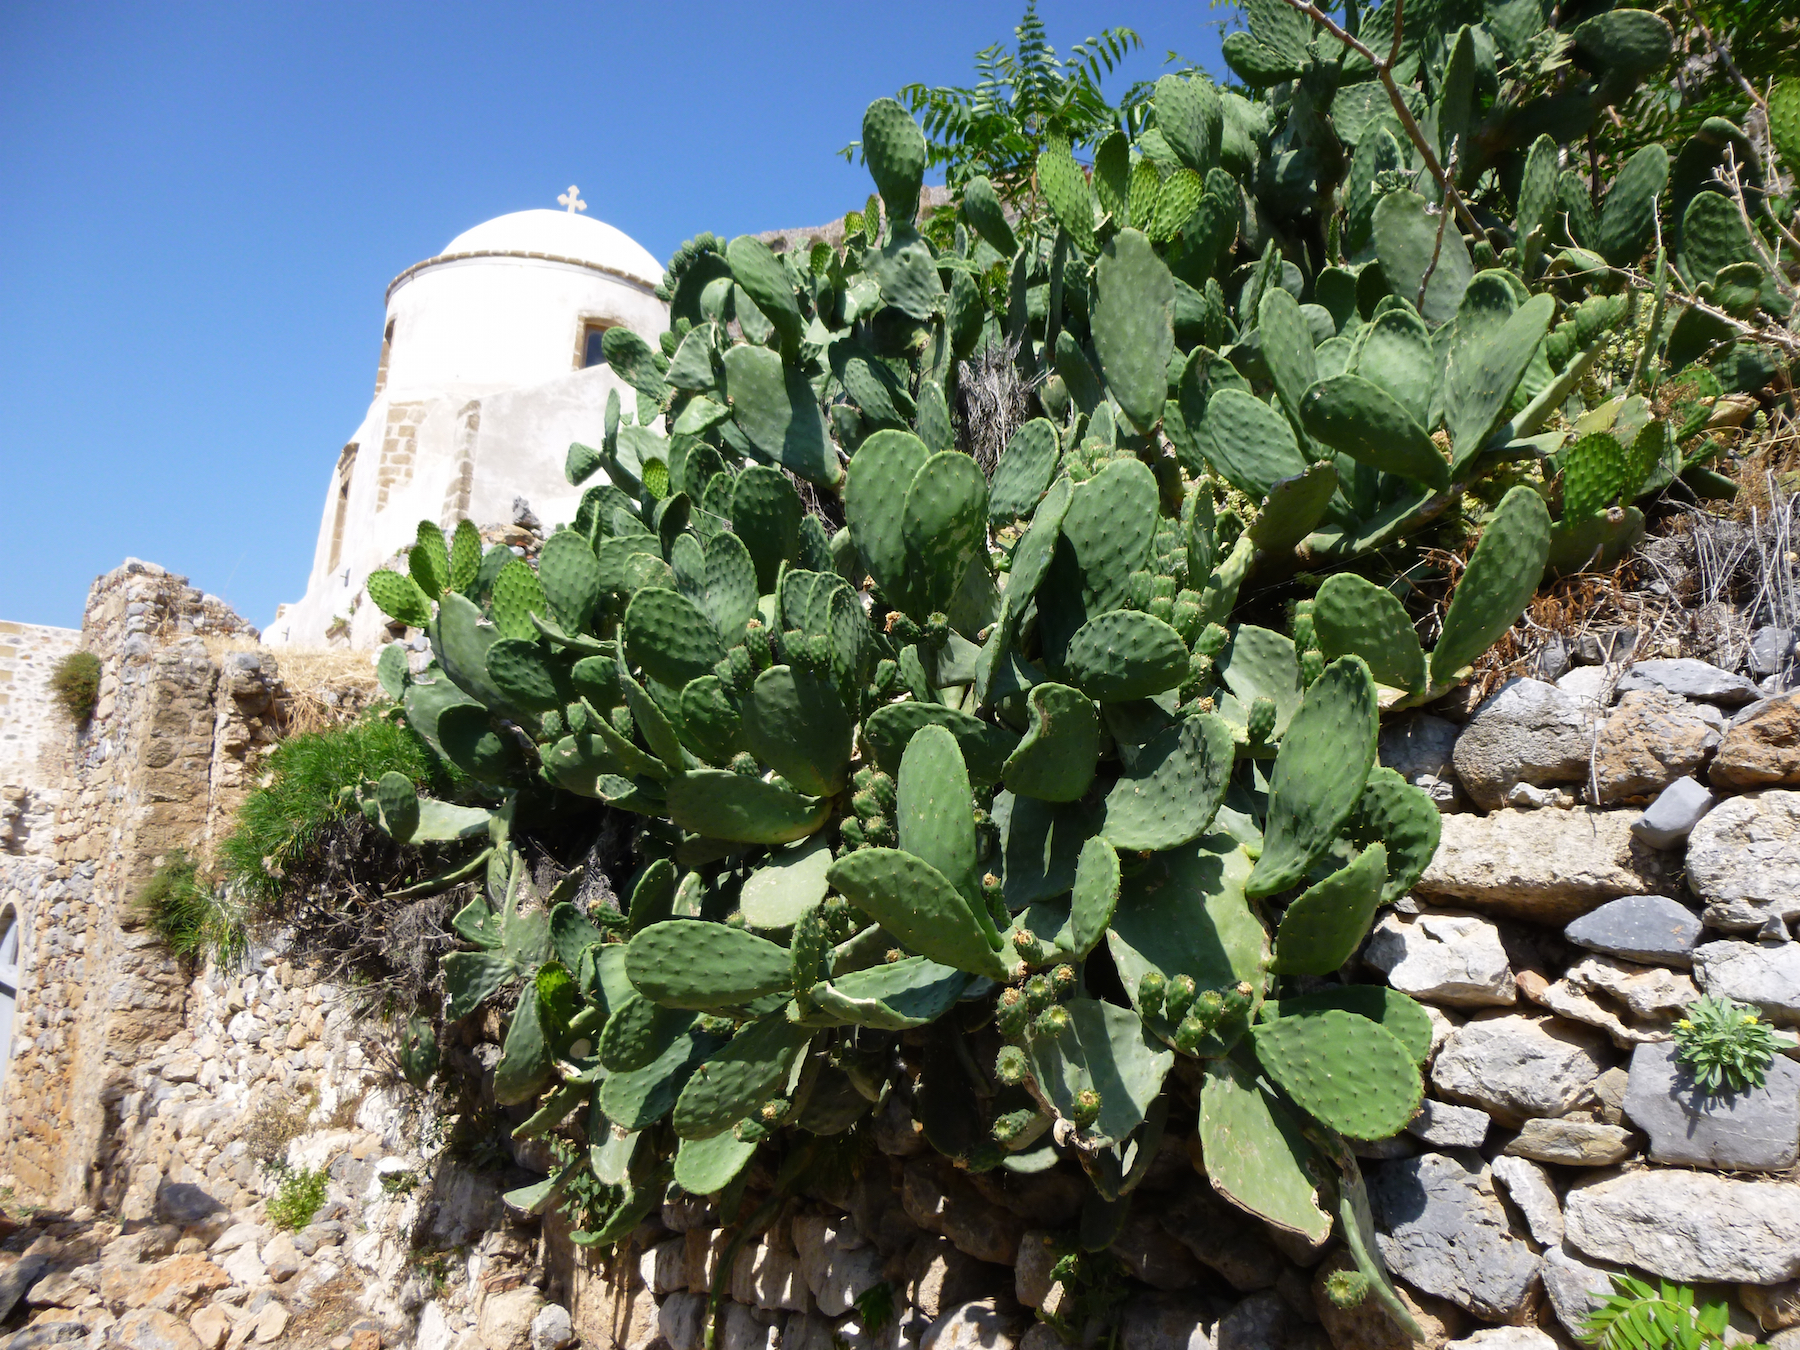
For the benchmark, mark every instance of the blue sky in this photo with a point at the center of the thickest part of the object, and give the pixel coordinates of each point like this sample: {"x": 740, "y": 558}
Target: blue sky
{"x": 203, "y": 204}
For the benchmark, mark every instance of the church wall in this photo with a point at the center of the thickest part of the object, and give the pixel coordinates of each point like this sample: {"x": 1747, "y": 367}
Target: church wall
{"x": 487, "y": 324}
{"x": 481, "y": 401}
{"x": 32, "y": 729}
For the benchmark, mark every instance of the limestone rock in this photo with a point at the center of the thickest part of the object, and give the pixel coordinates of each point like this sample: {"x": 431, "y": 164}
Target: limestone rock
{"x": 210, "y": 1327}
{"x": 1526, "y": 732}
{"x": 1692, "y": 679}
{"x": 1167, "y": 1322}
{"x": 1221, "y": 1236}
{"x": 1528, "y": 1186}
{"x": 1443, "y": 957}
{"x": 1545, "y": 866}
{"x": 838, "y": 1264}
{"x": 270, "y": 1323}
{"x": 1775, "y": 1307}
{"x": 1446, "y": 1125}
{"x": 506, "y": 1319}
{"x": 1651, "y": 929}
{"x": 1689, "y": 1225}
{"x": 1763, "y": 974}
{"x": 1679, "y": 807}
{"x": 681, "y": 1320}
{"x": 173, "y": 1284}
{"x": 1650, "y": 741}
{"x": 1743, "y": 860}
{"x": 153, "y": 1329}
{"x": 1505, "y": 1338}
{"x": 1762, "y": 748}
{"x": 767, "y": 1276}
{"x": 281, "y": 1258}
{"x": 1419, "y": 748}
{"x": 1263, "y": 1320}
{"x": 1575, "y": 1288}
{"x": 741, "y": 1329}
{"x": 1573, "y": 1143}
{"x": 1756, "y": 1130}
{"x": 940, "y": 1200}
{"x": 979, "y": 1325}
{"x": 1516, "y": 1066}
{"x": 1153, "y": 1255}
{"x": 1441, "y": 1228}
{"x": 939, "y": 1276}
{"x": 1032, "y": 1281}
{"x": 552, "y": 1329}
{"x": 1648, "y": 993}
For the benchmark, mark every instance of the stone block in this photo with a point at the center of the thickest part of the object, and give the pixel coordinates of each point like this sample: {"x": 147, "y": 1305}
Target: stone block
{"x": 1651, "y": 929}
{"x": 1442, "y": 957}
{"x": 1755, "y": 1130}
{"x": 1548, "y": 867}
{"x": 1688, "y": 1225}
{"x": 1441, "y": 1227}
{"x": 1572, "y": 1143}
{"x": 1762, "y": 747}
{"x": 1765, "y": 975}
{"x": 1526, "y": 732}
{"x": 1516, "y": 1067}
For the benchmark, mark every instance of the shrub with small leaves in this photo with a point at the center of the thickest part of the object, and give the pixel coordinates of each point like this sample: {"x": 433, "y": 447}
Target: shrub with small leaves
{"x": 1726, "y": 1044}
{"x": 75, "y": 685}
{"x": 301, "y": 1193}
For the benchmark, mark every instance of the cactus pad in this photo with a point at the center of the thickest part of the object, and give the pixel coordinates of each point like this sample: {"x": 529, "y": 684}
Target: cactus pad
{"x": 1257, "y": 1155}
{"x": 1095, "y": 895}
{"x": 1175, "y": 787}
{"x": 1319, "y": 773}
{"x": 732, "y": 1083}
{"x": 1132, "y": 325}
{"x": 725, "y": 805}
{"x": 985, "y": 747}
{"x": 893, "y": 996}
{"x": 1355, "y": 616}
{"x": 1250, "y": 444}
{"x": 399, "y": 597}
{"x": 679, "y": 964}
{"x": 943, "y": 526}
{"x": 794, "y": 722}
{"x": 1349, "y": 1073}
{"x": 1056, "y": 759}
{"x": 670, "y": 637}
{"x": 1395, "y": 1011}
{"x": 1323, "y": 928}
{"x": 1501, "y": 578}
{"x": 1104, "y": 1049}
{"x": 919, "y": 906}
{"x": 1361, "y": 419}
{"x": 1024, "y": 470}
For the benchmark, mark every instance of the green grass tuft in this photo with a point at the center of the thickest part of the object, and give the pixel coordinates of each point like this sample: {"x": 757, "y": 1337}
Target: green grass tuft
{"x": 284, "y": 818}
{"x": 75, "y": 685}
{"x": 189, "y": 913}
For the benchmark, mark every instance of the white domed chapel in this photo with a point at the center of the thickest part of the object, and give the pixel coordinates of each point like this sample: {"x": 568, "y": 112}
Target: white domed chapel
{"x": 490, "y": 366}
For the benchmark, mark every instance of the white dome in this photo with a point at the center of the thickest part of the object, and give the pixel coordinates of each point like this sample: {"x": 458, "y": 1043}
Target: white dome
{"x": 561, "y": 234}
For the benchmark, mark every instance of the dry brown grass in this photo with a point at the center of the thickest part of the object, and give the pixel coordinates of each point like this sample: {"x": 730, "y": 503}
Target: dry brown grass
{"x": 309, "y": 673}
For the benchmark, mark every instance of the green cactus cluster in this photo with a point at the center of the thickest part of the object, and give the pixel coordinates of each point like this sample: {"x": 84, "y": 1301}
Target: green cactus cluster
{"x": 1002, "y": 760}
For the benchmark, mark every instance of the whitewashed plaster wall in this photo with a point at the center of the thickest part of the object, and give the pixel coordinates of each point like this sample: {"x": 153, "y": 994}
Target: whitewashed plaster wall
{"x": 481, "y": 399}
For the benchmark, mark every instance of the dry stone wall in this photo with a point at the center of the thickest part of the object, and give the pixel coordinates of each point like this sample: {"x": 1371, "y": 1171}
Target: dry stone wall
{"x": 1617, "y": 840}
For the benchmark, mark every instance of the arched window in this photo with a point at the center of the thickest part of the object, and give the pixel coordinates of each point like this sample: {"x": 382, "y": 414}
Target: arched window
{"x": 9, "y": 984}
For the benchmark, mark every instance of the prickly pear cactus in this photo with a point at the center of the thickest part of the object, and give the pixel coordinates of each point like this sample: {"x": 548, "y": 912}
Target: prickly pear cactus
{"x": 991, "y": 788}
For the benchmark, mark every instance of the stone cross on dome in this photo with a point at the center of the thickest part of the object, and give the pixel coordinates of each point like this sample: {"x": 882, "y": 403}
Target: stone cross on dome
{"x": 572, "y": 200}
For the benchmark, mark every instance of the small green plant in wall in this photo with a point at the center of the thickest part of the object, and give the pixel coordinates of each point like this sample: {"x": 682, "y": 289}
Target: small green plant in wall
{"x": 75, "y": 685}
{"x": 1726, "y": 1044}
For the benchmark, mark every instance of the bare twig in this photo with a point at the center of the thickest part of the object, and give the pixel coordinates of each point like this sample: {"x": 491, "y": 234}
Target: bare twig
{"x": 1725, "y": 57}
{"x": 1385, "y": 73}
{"x": 1654, "y": 333}
{"x": 1729, "y": 176}
{"x": 1771, "y": 334}
{"x": 1437, "y": 244}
